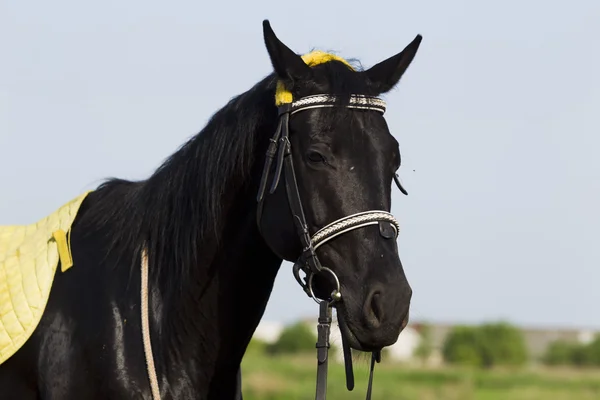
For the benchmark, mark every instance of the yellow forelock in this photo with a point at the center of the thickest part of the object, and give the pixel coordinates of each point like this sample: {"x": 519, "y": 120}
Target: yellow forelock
{"x": 284, "y": 96}
{"x": 320, "y": 57}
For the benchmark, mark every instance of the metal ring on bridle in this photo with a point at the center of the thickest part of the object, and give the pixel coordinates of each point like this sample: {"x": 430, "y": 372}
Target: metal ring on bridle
{"x": 336, "y": 295}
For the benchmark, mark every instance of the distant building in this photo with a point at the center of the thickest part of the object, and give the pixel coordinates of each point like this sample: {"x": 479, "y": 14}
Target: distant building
{"x": 401, "y": 351}
{"x": 538, "y": 339}
{"x": 268, "y": 331}
{"x": 406, "y": 345}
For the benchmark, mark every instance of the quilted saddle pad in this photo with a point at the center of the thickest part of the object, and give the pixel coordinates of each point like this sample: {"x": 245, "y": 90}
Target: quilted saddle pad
{"x": 29, "y": 255}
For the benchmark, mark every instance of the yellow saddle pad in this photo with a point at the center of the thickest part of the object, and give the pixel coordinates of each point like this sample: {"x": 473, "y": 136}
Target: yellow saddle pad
{"x": 29, "y": 256}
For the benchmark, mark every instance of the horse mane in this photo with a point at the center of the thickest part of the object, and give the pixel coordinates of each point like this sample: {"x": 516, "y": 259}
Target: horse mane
{"x": 180, "y": 210}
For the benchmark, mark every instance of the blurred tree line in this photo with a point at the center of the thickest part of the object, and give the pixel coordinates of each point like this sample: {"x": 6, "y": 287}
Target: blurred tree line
{"x": 485, "y": 346}
{"x": 565, "y": 353}
{"x": 297, "y": 338}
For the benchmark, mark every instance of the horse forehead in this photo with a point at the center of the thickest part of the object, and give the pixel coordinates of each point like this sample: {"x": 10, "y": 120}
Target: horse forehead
{"x": 334, "y": 120}
{"x": 364, "y": 135}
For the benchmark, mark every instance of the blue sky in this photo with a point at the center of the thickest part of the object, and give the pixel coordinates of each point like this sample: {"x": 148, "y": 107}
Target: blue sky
{"x": 497, "y": 120}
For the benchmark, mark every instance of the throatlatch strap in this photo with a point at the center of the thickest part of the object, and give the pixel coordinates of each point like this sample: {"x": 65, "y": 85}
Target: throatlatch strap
{"x": 271, "y": 153}
{"x": 284, "y": 149}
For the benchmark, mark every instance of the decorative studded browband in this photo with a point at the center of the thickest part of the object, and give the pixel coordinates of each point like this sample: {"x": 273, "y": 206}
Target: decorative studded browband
{"x": 323, "y": 100}
{"x": 280, "y": 152}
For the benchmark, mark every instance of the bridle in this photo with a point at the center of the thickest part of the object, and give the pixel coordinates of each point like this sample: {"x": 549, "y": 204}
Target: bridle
{"x": 280, "y": 152}
{"x": 308, "y": 262}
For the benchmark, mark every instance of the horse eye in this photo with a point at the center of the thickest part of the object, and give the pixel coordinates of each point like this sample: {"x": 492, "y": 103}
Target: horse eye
{"x": 316, "y": 157}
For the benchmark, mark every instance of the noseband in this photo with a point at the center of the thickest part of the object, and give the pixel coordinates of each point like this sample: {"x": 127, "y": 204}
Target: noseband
{"x": 280, "y": 151}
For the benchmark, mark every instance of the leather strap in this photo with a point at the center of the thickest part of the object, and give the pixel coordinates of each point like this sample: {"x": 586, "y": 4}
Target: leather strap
{"x": 399, "y": 184}
{"x": 323, "y": 330}
{"x": 348, "y": 364}
{"x": 308, "y": 256}
{"x": 270, "y": 155}
{"x": 284, "y": 146}
{"x": 370, "y": 387}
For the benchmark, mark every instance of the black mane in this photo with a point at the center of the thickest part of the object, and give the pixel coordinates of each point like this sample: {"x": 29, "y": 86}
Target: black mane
{"x": 179, "y": 210}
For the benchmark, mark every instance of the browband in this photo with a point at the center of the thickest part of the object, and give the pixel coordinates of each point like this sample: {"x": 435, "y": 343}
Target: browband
{"x": 356, "y": 101}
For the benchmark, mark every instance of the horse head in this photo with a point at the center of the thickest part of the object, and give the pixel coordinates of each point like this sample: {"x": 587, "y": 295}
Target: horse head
{"x": 325, "y": 196}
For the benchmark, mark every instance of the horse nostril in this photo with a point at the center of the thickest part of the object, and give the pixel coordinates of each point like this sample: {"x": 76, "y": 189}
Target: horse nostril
{"x": 374, "y": 309}
{"x": 376, "y": 306}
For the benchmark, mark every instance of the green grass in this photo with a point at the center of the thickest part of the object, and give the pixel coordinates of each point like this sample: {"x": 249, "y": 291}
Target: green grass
{"x": 293, "y": 378}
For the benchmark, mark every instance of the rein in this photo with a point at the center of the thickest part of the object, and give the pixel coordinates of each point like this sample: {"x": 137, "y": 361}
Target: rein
{"x": 154, "y": 388}
{"x": 280, "y": 152}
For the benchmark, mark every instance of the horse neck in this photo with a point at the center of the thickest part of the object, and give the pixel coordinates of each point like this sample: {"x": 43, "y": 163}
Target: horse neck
{"x": 220, "y": 305}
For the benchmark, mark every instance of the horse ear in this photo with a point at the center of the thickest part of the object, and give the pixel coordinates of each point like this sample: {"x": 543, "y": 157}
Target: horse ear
{"x": 385, "y": 75}
{"x": 287, "y": 64}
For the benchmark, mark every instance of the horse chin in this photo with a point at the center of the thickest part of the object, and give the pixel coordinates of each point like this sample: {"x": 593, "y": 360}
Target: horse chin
{"x": 348, "y": 335}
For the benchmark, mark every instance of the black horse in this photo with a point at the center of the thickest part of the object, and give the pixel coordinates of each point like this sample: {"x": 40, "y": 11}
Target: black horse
{"x": 212, "y": 266}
